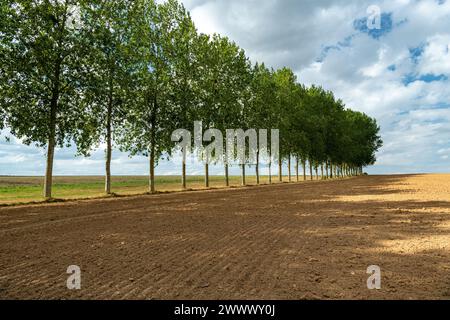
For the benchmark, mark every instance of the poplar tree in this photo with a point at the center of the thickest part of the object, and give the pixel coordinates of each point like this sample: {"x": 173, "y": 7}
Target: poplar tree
{"x": 105, "y": 81}
{"x": 149, "y": 121}
{"x": 42, "y": 53}
{"x": 285, "y": 81}
{"x": 186, "y": 73}
{"x": 223, "y": 87}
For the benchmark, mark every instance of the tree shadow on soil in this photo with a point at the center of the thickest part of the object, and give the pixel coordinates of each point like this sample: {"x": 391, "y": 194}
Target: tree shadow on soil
{"x": 408, "y": 239}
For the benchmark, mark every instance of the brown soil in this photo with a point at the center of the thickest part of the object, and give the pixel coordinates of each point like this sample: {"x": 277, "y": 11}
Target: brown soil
{"x": 289, "y": 241}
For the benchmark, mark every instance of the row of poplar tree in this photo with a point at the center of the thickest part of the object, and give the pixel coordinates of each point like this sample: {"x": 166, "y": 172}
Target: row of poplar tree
{"x": 128, "y": 73}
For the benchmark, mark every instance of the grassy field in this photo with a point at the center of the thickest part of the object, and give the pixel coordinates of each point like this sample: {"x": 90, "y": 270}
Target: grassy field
{"x": 29, "y": 189}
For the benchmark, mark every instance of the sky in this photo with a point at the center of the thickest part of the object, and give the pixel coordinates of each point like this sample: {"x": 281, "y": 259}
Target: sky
{"x": 398, "y": 73}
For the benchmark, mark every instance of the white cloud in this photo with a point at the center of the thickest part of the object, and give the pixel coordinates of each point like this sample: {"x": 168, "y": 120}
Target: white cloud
{"x": 436, "y": 56}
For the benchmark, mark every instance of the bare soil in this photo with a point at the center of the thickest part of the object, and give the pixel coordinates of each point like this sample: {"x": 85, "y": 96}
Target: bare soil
{"x": 310, "y": 240}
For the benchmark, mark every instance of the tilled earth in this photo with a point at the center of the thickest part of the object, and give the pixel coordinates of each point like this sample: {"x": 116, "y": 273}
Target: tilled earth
{"x": 312, "y": 240}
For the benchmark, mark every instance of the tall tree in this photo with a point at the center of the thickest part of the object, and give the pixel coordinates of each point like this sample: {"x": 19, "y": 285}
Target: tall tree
{"x": 223, "y": 86}
{"x": 364, "y": 140}
{"x": 261, "y": 113}
{"x": 285, "y": 80}
{"x": 186, "y": 73}
{"x": 234, "y": 109}
{"x": 41, "y": 56}
{"x": 315, "y": 123}
{"x": 105, "y": 82}
{"x": 148, "y": 125}
{"x": 298, "y": 129}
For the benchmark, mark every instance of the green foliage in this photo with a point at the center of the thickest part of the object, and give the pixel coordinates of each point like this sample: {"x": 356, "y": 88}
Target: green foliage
{"x": 224, "y": 82}
{"x": 106, "y": 70}
{"x": 286, "y": 92}
{"x": 148, "y": 123}
{"x": 262, "y": 109}
{"x": 41, "y": 55}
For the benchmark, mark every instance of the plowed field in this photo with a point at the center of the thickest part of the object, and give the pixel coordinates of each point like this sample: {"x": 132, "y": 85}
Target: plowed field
{"x": 311, "y": 240}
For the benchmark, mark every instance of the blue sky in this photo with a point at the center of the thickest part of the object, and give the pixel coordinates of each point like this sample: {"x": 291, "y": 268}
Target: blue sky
{"x": 398, "y": 74}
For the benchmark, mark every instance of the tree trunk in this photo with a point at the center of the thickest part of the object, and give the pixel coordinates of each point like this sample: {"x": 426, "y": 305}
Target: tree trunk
{"x": 304, "y": 169}
{"x": 257, "y": 167}
{"x": 326, "y": 169}
{"x": 296, "y": 168}
{"x": 183, "y": 172}
{"x": 289, "y": 169}
{"x": 108, "y": 144}
{"x": 270, "y": 172}
{"x": 316, "y": 168}
{"x": 280, "y": 170}
{"x": 227, "y": 176}
{"x": 243, "y": 174}
{"x": 48, "y": 184}
{"x": 321, "y": 171}
{"x": 206, "y": 175}
{"x": 49, "y": 171}
{"x": 152, "y": 170}
{"x": 311, "y": 170}
{"x": 153, "y": 121}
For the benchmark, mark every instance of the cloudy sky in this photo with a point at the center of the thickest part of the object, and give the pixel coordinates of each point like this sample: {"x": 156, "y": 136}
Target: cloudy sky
{"x": 398, "y": 74}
